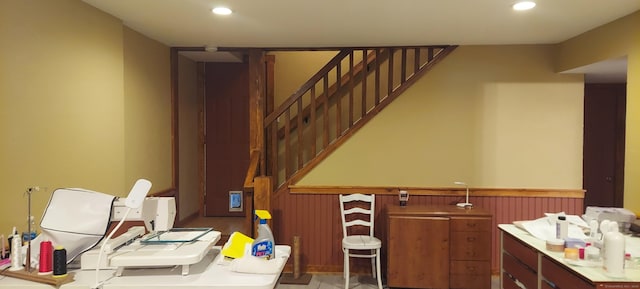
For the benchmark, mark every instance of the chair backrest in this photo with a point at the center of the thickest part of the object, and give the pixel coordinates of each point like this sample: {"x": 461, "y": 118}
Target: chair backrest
{"x": 357, "y": 210}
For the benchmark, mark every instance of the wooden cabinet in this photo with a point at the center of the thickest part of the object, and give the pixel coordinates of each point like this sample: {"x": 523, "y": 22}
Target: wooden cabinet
{"x": 438, "y": 247}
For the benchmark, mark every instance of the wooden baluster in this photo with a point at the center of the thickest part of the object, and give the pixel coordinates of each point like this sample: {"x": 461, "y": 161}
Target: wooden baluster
{"x": 325, "y": 116}
{"x": 416, "y": 60}
{"x": 403, "y": 66}
{"x": 351, "y": 85}
{"x": 377, "y": 78}
{"x": 300, "y": 132}
{"x": 312, "y": 122}
{"x": 287, "y": 143}
{"x": 365, "y": 72}
{"x": 390, "y": 72}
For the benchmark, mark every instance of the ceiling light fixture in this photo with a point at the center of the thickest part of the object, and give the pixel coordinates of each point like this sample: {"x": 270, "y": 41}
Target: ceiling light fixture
{"x": 221, "y": 11}
{"x": 524, "y": 5}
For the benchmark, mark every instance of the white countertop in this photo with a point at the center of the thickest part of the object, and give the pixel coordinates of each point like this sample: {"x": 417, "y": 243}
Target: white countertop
{"x": 594, "y": 274}
{"x": 208, "y": 273}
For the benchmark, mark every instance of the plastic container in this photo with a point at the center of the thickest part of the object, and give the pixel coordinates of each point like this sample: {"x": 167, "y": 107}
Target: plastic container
{"x": 562, "y": 228}
{"x": 555, "y": 245}
{"x": 592, "y": 253}
{"x": 614, "y": 246}
{"x": 571, "y": 253}
{"x": 574, "y": 243}
{"x": 264, "y": 245}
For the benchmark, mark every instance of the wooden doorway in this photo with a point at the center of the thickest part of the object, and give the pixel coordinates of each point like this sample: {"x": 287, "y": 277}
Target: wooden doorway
{"x": 604, "y": 138}
{"x": 226, "y": 135}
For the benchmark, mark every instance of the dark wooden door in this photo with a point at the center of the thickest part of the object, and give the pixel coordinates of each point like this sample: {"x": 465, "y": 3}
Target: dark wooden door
{"x": 227, "y": 134}
{"x": 604, "y": 136}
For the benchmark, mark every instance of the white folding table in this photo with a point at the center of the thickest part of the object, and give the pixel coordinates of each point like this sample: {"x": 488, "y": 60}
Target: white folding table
{"x": 208, "y": 273}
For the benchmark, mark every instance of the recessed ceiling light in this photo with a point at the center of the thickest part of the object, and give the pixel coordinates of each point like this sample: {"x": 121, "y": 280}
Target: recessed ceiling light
{"x": 221, "y": 11}
{"x": 524, "y": 5}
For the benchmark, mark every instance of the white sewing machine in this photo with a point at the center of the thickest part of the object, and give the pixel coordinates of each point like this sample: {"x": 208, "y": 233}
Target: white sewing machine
{"x": 163, "y": 246}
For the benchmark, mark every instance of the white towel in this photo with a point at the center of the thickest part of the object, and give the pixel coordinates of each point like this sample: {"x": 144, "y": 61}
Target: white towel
{"x": 255, "y": 265}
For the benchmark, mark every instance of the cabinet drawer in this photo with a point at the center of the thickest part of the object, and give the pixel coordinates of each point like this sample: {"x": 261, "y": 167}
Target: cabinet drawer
{"x": 545, "y": 285}
{"x": 520, "y": 251}
{"x": 467, "y": 224}
{"x": 519, "y": 271}
{"x": 470, "y": 246}
{"x": 508, "y": 283}
{"x": 562, "y": 277}
{"x": 470, "y": 274}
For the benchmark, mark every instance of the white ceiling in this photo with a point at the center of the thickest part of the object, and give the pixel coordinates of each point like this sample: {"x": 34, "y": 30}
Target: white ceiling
{"x": 361, "y": 23}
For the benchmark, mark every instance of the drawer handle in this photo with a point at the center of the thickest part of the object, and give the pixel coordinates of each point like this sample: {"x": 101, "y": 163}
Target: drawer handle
{"x": 471, "y": 239}
{"x": 471, "y": 225}
{"x": 471, "y": 268}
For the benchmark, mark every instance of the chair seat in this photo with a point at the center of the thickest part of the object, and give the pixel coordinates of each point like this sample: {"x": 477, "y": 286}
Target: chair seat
{"x": 361, "y": 242}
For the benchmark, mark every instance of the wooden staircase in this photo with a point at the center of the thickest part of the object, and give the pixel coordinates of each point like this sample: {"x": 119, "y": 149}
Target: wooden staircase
{"x": 336, "y": 102}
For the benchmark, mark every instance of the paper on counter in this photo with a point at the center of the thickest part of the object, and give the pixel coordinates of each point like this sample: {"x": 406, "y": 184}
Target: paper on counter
{"x": 544, "y": 229}
{"x": 572, "y": 219}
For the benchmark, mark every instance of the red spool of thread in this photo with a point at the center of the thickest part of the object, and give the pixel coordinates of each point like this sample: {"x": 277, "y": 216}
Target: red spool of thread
{"x": 46, "y": 258}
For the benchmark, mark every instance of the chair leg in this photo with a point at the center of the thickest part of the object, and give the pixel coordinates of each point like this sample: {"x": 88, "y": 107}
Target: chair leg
{"x": 346, "y": 268}
{"x": 373, "y": 264}
{"x": 379, "y": 277}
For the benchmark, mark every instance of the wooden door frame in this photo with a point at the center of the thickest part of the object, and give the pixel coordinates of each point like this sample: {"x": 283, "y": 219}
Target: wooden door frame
{"x": 261, "y": 73}
{"x": 175, "y": 144}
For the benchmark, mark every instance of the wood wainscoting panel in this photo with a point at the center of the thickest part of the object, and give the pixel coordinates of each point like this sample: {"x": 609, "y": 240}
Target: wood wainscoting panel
{"x": 315, "y": 217}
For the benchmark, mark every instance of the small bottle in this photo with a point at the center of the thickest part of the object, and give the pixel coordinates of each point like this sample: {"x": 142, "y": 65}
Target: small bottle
{"x": 263, "y": 246}
{"x": 562, "y": 228}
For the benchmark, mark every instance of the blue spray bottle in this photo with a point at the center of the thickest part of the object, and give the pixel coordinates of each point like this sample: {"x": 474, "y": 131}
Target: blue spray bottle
{"x": 263, "y": 246}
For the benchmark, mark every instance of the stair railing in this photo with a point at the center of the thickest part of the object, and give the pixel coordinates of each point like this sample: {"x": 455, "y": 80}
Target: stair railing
{"x": 355, "y": 85}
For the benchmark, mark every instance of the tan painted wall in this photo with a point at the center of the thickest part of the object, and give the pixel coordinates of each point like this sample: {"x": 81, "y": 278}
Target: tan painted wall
{"x": 147, "y": 107}
{"x": 492, "y": 116}
{"x": 190, "y": 107}
{"x": 72, "y": 111}
{"x": 618, "y": 38}
{"x": 289, "y": 74}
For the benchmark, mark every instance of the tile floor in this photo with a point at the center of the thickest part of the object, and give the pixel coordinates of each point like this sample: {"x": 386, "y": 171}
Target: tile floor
{"x": 334, "y": 281}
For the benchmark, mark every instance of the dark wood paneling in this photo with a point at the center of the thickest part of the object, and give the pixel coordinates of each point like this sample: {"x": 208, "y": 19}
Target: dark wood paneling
{"x": 316, "y": 219}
